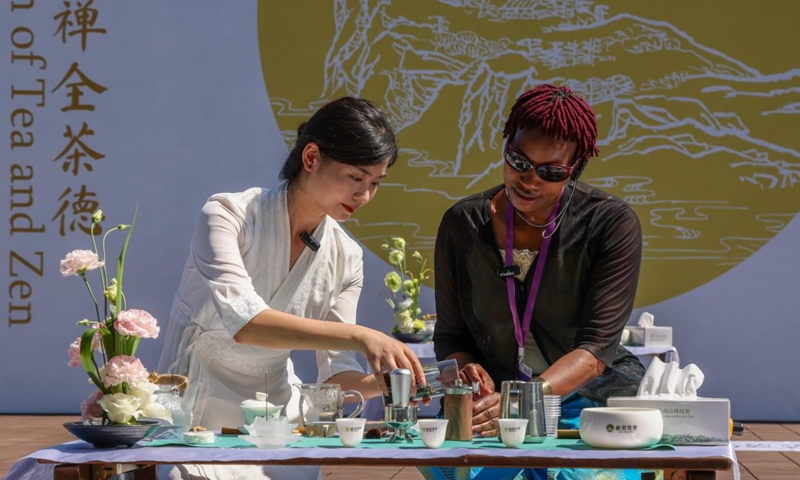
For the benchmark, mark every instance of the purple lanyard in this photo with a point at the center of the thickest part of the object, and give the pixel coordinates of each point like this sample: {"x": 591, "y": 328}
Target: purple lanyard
{"x": 520, "y": 332}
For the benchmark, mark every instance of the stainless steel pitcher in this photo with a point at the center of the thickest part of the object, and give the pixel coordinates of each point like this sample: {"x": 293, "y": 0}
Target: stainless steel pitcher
{"x": 524, "y": 400}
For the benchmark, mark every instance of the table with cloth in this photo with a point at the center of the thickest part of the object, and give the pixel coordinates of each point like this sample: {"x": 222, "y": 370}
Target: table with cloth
{"x": 80, "y": 460}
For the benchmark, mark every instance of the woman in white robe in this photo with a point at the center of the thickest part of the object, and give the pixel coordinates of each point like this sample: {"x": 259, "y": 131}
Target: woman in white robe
{"x": 253, "y": 289}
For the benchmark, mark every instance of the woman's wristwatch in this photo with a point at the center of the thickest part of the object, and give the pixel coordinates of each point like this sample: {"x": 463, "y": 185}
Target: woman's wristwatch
{"x": 546, "y": 388}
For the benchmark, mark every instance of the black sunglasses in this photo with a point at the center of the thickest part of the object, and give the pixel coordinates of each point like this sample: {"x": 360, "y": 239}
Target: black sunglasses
{"x": 548, "y": 172}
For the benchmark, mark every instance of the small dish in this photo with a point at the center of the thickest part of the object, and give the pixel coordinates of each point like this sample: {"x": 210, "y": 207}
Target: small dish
{"x": 271, "y": 442}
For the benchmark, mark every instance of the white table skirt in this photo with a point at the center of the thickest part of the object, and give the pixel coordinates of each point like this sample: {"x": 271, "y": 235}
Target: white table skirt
{"x": 80, "y": 452}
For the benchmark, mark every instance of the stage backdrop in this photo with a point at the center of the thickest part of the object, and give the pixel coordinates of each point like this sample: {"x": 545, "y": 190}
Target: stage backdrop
{"x": 150, "y": 107}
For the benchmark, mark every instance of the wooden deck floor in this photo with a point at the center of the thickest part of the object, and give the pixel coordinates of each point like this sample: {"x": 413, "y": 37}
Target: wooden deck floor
{"x": 26, "y": 434}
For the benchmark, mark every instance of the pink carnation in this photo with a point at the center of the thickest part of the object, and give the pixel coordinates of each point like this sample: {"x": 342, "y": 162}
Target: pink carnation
{"x": 74, "y": 353}
{"x": 124, "y": 368}
{"x": 137, "y": 323}
{"x": 90, "y": 408}
{"x": 78, "y": 261}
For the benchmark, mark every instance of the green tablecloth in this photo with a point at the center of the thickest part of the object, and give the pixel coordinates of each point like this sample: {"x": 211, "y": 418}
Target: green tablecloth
{"x": 478, "y": 443}
{"x": 234, "y": 441}
{"x": 221, "y": 441}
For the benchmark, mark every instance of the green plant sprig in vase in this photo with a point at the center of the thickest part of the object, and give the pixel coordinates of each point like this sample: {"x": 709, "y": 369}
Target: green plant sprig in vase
{"x": 405, "y": 284}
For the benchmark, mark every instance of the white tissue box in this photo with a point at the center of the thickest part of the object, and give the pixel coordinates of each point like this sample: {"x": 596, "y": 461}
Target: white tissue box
{"x": 650, "y": 336}
{"x": 690, "y": 421}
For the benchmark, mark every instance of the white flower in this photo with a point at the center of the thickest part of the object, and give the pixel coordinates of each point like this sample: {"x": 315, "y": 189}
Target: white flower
{"x": 405, "y": 304}
{"x": 121, "y": 408}
{"x": 402, "y": 316}
{"x": 150, "y": 408}
{"x": 156, "y": 410}
{"x": 406, "y": 326}
{"x": 396, "y": 257}
{"x": 410, "y": 288}
{"x": 144, "y": 391}
{"x": 393, "y": 281}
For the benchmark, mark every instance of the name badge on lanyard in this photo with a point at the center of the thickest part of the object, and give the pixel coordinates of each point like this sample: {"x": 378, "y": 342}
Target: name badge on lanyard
{"x": 524, "y": 372}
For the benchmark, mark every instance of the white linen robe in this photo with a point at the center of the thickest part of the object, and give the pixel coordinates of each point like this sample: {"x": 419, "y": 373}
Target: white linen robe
{"x": 239, "y": 266}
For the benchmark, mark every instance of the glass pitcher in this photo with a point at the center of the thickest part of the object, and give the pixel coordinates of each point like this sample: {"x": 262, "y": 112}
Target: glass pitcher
{"x": 179, "y": 406}
{"x": 322, "y": 403}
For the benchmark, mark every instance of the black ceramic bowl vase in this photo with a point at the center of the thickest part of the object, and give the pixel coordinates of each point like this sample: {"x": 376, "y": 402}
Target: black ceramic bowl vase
{"x": 411, "y": 337}
{"x": 111, "y": 436}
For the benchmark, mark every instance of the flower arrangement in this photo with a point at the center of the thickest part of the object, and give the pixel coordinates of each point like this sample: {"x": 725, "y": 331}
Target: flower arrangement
{"x": 107, "y": 348}
{"x": 405, "y": 286}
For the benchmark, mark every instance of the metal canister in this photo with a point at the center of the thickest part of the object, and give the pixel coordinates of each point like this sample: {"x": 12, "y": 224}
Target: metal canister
{"x": 458, "y": 410}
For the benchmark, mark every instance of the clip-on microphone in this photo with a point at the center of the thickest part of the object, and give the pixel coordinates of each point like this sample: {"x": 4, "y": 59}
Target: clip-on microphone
{"x": 310, "y": 241}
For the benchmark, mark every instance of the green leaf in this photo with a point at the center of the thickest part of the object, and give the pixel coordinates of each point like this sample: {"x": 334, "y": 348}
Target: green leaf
{"x": 87, "y": 359}
{"x": 121, "y": 265}
{"x": 135, "y": 345}
{"x": 108, "y": 342}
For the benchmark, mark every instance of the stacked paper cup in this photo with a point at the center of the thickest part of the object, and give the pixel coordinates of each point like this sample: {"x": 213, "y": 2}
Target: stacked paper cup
{"x": 552, "y": 412}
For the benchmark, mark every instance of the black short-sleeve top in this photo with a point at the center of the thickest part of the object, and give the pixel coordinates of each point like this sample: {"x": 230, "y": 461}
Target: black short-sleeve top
{"x": 584, "y": 301}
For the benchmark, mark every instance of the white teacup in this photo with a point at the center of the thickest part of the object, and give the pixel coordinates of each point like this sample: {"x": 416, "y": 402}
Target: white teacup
{"x": 512, "y": 431}
{"x": 258, "y": 408}
{"x": 351, "y": 430}
{"x": 433, "y": 431}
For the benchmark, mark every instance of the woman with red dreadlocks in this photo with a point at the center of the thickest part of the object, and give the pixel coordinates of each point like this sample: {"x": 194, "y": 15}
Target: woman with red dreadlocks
{"x": 535, "y": 278}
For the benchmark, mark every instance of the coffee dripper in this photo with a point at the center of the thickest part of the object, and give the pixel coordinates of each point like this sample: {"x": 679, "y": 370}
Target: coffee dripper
{"x": 400, "y": 415}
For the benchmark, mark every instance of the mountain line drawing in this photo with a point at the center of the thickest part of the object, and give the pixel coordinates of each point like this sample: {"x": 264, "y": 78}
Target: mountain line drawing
{"x": 698, "y": 142}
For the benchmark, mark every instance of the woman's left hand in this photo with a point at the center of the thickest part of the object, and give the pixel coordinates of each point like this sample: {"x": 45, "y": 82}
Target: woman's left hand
{"x": 485, "y": 412}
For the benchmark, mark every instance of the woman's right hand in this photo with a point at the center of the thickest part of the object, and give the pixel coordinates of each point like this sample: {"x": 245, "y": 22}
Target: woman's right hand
{"x": 385, "y": 353}
{"x": 486, "y": 408}
{"x": 474, "y": 372}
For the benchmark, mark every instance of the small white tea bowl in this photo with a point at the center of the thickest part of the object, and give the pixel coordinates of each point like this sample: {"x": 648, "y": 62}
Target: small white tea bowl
{"x": 351, "y": 430}
{"x": 512, "y": 431}
{"x": 259, "y": 408}
{"x": 432, "y": 431}
{"x": 621, "y": 427}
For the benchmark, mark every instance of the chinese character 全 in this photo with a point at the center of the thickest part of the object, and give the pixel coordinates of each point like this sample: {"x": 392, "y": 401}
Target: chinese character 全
{"x": 75, "y": 89}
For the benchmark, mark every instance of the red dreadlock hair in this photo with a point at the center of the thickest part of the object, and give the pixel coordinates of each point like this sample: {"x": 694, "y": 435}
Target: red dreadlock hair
{"x": 560, "y": 114}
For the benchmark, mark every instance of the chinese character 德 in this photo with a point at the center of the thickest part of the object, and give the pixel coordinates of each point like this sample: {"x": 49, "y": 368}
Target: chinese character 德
{"x": 81, "y": 215}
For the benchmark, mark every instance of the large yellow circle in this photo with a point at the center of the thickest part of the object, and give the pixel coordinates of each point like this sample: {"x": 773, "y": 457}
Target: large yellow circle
{"x": 696, "y": 120}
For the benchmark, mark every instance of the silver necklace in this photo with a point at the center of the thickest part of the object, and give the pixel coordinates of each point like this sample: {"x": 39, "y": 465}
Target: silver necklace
{"x": 556, "y": 219}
